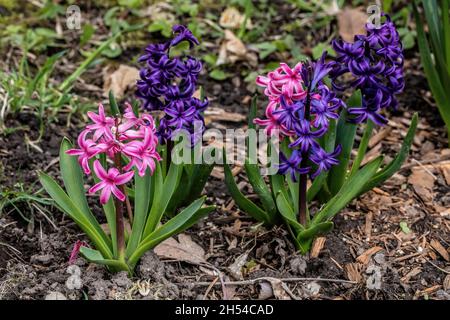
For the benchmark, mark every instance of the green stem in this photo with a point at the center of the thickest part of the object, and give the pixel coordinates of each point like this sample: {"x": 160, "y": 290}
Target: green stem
{"x": 362, "y": 147}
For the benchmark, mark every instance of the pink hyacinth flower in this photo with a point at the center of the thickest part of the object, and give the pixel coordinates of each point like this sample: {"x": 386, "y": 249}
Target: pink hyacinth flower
{"x": 271, "y": 123}
{"x": 143, "y": 154}
{"x": 102, "y": 124}
{"x": 109, "y": 182}
{"x": 88, "y": 149}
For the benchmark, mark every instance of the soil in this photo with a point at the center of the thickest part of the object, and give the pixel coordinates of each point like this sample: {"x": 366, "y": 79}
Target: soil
{"x": 368, "y": 255}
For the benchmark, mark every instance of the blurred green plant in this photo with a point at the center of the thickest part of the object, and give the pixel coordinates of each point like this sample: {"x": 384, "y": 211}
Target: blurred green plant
{"x": 435, "y": 51}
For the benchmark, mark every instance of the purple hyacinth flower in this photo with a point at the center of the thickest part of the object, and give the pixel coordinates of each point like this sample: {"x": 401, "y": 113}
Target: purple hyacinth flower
{"x": 324, "y": 160}
{"x": 165, "y": 66}
{"x": 366, "y": 73}
{"x": 313, "y": 72}
{"x": 347, "y": 52}
{"x": 154, "y": 51}
{"x": 306, "y": 137}
{"x": 180, "y": 115}
{"x": 183, "y": 34}
{"x": 292, "y": 165}
{"x": 325, "y": 107}
{"x": 288, "y": 113}
{"x": 190, "y": 68}
{"x": 370, "y": 109}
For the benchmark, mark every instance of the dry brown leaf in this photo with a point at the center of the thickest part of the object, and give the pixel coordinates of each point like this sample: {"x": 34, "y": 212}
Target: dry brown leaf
{"x": 233, "y": 49}
{"x": 351, "y": 22}
{"x": 365, "y": 257}
{"x": 423, "y": 183}
{"x": 120, "y": 80}
{"x": 217, "y": 114}
{"x": 182, "y": 250}
{"x": 445, "y": 168}
{"x": 233, "y": 19}
{"x": 436, "y": 245}
{"x": 317, "y": 246}
{"x": 235, "y": 268}
{"x": 446, "y": 283}
{"x": 278, "y": 290}
{"x": 265, "y": 291}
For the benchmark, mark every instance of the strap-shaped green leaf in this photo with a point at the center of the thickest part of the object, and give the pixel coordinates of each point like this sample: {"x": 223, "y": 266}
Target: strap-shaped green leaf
{"x": 345, "y": 136}
{"x": 440, "y": 94}
{"x": 180, "y": 222}
{"x": 349, "y": 190}
{"x": 73, "y": 182}
{"x": 114, "y": 108}
{"x": 95, "y": 256}
{"x": 71, "y": 209}
{"x": 288, "y": 213}
{"x": 389, "y": 170}
{"x": 162, "y": 197}
{"x": 315, "y": 230}
{"x": 200, "y": 176}
{"x": 242, "y": 202}
{"x": 363, "y": 144}
{"x": 142, "y": 191}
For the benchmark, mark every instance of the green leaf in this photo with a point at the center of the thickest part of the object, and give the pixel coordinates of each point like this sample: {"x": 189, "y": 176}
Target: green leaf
{"x": 345, "y": 137}
{"x": 219, "y": 75}
{"x": 389, "y": 170}
{"x": 315, "y": 230}
{"x": 362, "y": 146}
{"x": 242, "y": 201}
{"x": 95, "y": 256}
{"x": 162, "y": 197}
{"x": 86, "y": 63}
{"x": 88, "y": 32}
{"x": 114, "y": 108}
{"x": 348, "y": 192}
{"x": 404, "y": 227}
{"x": 66, "y": 205}
{"x": 73, "y": 181}
{"x": 199, "y": 178}
{"x": 288, "y": 213}
{"x": 142, "y": 191}
{"x": 440, "y": 94}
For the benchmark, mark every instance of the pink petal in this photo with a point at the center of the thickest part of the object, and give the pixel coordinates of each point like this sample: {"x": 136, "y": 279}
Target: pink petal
{"x": 123, "y": 178}
{"x": 99, "y": 171}
{"x": 119, "y": 194}
{"x": 105, "y": 195}
{"x": 97, "y": 187}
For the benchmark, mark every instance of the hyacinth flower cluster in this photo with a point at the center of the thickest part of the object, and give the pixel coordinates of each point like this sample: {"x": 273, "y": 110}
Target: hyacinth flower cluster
{"x": 317, "y": 130}
{"x": 375, "y": 63}
{"x": 168, "y": 84}
{"x": 121, "y": 154}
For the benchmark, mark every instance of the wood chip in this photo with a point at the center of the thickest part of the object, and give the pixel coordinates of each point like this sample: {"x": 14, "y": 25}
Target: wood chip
{"x": 365, "y": 257}
{"x": 422, "y": 182}
{"x": 353, "y": 271}
{"x": 436, "y": 245}
{"x": 317, "y": 246}
{"x": 278, "y": 290}
{"x": 445, "y": 168}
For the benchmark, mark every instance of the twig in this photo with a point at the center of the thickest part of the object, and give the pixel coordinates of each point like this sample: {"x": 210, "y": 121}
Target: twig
{"x": 444, "y": 271}
{"x": 253, "y": 281}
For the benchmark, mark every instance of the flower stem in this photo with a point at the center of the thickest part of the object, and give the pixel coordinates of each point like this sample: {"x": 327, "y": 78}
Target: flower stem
{"x": 303, "y": 183}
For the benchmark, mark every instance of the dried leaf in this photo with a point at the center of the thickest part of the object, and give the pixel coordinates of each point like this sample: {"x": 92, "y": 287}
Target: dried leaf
{"x": 233, "y": 49}
{"x": 120, "y": 80}
{"x": 235, "y": 268}
{"x": 233, "y": 19}
{"x": 278, "y": 290}
{"x": 436, "y": 245}
{"x": 265, "y": 291}
{"x": 182, "y": 250}
{"x": 446, "y": 283}
{"x": 351, "y": 22}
